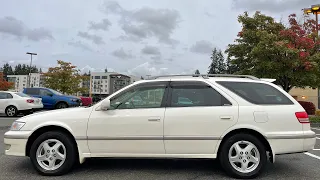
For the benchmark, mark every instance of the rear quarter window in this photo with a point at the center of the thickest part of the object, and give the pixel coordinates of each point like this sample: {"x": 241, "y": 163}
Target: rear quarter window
{"x": 257, "y": 93}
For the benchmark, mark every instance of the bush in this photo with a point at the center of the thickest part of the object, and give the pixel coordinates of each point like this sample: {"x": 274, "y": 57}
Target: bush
{"x": 317, "y": 112}
{"x": 309, "y": 107}
{"x": 314, "y": 119}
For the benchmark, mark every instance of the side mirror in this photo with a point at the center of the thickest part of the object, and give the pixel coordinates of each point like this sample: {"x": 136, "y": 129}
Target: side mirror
{"x": 105, "y": 105}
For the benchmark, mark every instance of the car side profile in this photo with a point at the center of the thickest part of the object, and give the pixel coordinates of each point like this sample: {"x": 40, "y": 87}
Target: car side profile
{"x": 13, "y": 103}
{"x": 241, "y": 120}
{"x": 52, "y": 99}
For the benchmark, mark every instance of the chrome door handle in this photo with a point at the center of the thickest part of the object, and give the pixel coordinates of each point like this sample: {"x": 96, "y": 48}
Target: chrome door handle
{"x": 225, "y": 117}
{"x": 154, "y": 119}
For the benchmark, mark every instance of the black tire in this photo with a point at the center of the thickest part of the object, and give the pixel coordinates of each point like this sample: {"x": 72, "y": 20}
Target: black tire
{"x": 71, "y": 153}
{"x": 28, "y": 113}
{"x": 224, "y": 156}
{"x": 11, "y": 111}
{"x": 61, "y": 105}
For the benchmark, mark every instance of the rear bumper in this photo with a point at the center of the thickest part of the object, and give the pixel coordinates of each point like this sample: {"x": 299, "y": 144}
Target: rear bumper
{"x": 292, "y": 143}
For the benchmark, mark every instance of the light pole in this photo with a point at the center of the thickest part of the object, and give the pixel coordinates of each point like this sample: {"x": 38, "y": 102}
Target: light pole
{"x": 31, "y": 54}
{"x": 315, "y": 9}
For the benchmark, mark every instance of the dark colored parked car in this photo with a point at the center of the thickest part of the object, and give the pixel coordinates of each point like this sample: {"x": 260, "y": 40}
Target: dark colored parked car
{"x": 52, "y": 99}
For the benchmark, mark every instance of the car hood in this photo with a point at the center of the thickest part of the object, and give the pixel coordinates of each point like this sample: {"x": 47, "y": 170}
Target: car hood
{"x": 59, "y": 114}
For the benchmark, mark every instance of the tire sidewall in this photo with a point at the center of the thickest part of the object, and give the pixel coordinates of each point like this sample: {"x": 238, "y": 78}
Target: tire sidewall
{"x": 61, "y": 103}
{"x": 70, "y": 153}
{"x": 16, "y": 111}
{"x": 224, "y": 155}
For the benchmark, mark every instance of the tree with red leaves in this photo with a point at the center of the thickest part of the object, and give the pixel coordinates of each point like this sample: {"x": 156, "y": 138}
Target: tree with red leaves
{"x": 269, "y": 49}
{"x": 4, "y": 85}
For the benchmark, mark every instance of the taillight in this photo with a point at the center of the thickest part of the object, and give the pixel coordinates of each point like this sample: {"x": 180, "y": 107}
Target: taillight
{"x": 302, "y": 117}
{"x": 30, "y": 101}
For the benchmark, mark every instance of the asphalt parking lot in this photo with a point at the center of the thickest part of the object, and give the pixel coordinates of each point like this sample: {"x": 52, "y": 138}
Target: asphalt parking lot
{"x": 295, "y": 166}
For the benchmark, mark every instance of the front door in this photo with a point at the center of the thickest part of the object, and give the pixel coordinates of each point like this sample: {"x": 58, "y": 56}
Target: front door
{"x": 196, "y": 117}
{"x": 133, "y": 125}
{"x": 47, "y": 100}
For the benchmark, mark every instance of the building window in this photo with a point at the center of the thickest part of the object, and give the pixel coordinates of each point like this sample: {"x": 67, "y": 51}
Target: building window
{"x": 97, "y": 77}
{"x": 104, "y": 77}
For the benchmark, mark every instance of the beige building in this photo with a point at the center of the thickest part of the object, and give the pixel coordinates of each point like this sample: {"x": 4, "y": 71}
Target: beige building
{"x": 306, "y": 94}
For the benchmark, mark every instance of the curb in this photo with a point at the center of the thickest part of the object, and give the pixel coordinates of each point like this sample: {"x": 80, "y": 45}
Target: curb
{"x": 315, "y": 124}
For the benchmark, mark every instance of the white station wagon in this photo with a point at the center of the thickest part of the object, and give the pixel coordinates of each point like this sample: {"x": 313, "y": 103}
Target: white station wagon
{"x": 241, "y": 120}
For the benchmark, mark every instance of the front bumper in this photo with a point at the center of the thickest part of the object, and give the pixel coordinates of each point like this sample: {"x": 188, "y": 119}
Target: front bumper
{"x": 15, "y": 142}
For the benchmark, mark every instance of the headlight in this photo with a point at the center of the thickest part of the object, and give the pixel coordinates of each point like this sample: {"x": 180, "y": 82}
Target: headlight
{"x": 16, "y": 126}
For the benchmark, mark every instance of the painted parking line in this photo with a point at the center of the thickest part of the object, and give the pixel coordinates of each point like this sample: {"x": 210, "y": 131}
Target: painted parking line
{"x": 316, "y": 149}
{"x": 312, "y": 155}
{"x": 317, "y": 138}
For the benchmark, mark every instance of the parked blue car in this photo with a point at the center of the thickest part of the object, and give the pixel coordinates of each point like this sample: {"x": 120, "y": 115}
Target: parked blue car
{"x": 52, "y": 99}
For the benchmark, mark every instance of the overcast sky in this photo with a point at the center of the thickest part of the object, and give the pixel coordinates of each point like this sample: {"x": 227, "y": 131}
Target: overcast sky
{"x": 139, "y": 37}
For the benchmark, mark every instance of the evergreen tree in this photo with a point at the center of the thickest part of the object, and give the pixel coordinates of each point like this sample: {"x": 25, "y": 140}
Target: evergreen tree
{"x": 197, "y": 71}
{"x": 218, "y": 64}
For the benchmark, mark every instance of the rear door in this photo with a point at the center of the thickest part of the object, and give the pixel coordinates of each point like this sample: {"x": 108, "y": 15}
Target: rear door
{"x": 195, "y": 118}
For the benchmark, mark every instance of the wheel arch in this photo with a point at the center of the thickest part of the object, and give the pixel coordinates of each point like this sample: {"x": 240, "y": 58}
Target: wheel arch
{"x": 47, "y": 128}
{"x": 253, "y": 132}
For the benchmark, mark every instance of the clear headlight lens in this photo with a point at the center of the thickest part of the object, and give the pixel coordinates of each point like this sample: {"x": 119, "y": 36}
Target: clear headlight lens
{"x": 16, "y": 126}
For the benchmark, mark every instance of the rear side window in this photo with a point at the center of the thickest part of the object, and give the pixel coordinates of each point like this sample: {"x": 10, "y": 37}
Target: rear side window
{"x": 191, "y": 94}
{"x": 32, "y": 91}
{"x": 257, "y": 93}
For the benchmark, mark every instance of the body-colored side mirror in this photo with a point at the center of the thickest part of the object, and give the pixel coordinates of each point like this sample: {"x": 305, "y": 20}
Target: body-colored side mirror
{"x": 105, "y": 105}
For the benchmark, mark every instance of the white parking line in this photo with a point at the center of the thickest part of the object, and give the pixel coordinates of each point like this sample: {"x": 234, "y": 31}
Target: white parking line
{"x": 317, "y": 138}
{"x": 316, "y": 149}
{"x": 312, "y": 155}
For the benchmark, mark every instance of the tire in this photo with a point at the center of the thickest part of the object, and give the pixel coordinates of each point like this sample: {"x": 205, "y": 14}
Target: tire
{"x": 61, "y": 105}
{"x": 60, "y": 165}
{"x": 228, "y": 148}
{"x": 28, "y": 113}
{"x": 11, "y": 111}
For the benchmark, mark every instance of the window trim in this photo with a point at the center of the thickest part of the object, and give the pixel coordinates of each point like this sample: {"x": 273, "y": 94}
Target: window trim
{"x": 253, "y": 102}
{"x": 164, "y": 84}
{"x": 192, "y": 83}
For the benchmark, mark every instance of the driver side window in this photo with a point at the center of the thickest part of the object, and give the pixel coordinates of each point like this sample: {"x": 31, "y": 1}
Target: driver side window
{"x": 140, "y": 97}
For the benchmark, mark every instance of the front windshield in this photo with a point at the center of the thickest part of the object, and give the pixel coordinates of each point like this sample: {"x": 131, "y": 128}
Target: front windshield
{"x": 55, "y": 92}
{"x": 22, "y": 95}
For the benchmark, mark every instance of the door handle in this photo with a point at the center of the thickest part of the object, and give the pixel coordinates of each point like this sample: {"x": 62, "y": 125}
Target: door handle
{"x": 225, "y": 117}
{"x": 154, "y": 119}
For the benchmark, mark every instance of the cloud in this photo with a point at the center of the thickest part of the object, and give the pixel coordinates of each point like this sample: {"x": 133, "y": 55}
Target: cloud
{"x": 146, "y": 22}
{"x": 209, "y": 14}
{"x": 94, "y": 38}
{"x": 80, "y": 44}
{"x": 272, "y": 5}
{"x": 12, "y": 26}
{"x": 150, "y": 50}
{"x": 103, "y": 25}
{"x": 202, "y": 47}
{"x": 147, "y": 68}
{"x": 121, "y": 54}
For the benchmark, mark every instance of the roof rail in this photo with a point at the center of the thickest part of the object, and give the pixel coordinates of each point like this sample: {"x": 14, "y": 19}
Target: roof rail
{"x": 206, "y": 76}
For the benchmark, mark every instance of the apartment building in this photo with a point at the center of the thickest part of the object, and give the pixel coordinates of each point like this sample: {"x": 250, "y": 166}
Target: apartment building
{"x": 22, "y": 81}
{"x": 106, "y": 83}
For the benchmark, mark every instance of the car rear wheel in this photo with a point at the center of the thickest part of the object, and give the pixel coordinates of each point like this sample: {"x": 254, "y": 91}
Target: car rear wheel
{"x": 11, "y": 111}
{"x": 61, "y": 105}
{"x": 243, "y": 156}
{"x": 53, "y": 153}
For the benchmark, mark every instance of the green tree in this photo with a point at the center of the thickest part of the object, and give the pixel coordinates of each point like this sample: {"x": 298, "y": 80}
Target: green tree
{"x": 7, "y": 70}
{"x": 218, "y": 64}
{"x": 268, "y": 49}
{"x": 65, "y": 78}
{"x": 197, "y": 71}
{"x": 106, "y": 69}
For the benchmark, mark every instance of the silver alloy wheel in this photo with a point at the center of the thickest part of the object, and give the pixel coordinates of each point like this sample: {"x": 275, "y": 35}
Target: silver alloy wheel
{"x": 51, "y": 154}
{"x": 244, "y": 156}
{"x": 11, "y": 111}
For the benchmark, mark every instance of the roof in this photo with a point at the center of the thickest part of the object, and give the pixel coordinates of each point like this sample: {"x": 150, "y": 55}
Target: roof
{"x": 215, "y": 77}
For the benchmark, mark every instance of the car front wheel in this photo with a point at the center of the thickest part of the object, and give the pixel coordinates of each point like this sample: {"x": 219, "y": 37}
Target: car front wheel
{"x": 53, "y": 153}
{"x": 243, "y": 156}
